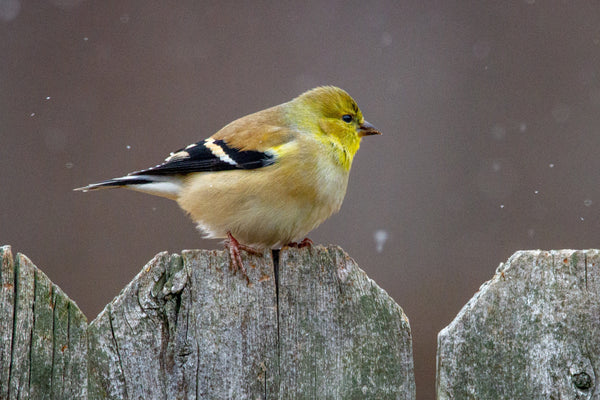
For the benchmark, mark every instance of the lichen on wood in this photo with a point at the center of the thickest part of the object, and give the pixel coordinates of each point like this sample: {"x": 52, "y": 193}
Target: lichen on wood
{"x": 187, "y": 327}
{"x": 43, "y": 340}
{"x": 531, "y": 332}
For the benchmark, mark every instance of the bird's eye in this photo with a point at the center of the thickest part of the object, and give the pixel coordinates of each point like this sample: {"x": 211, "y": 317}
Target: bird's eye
{"x": 347, "y": 118}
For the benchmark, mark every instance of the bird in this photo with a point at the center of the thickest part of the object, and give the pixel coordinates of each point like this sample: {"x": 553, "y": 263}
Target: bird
{"x": 267, "y": 179}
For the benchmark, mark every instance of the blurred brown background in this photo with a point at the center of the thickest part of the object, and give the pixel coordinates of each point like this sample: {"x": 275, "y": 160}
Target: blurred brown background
{"x": 490, "y": 113}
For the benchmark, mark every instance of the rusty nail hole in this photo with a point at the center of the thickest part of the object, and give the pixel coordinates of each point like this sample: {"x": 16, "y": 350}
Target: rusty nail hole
{"x": 582, "y": 381}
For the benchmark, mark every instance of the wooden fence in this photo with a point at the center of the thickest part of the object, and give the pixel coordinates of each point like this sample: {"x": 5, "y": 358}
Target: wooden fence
{"x": 531, "y": 332}
{"x": 316, "y": 327}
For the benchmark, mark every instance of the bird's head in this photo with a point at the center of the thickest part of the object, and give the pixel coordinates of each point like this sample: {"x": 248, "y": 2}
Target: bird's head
{"x": 332, "y": 112}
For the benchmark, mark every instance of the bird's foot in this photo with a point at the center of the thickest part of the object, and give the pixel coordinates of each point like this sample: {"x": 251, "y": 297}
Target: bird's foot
{"x": 306, "y": 242}
{"x": 234, "y": 247}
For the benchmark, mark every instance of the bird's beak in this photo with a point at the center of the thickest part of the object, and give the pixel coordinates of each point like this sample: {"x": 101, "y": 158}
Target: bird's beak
{"x": 366, "y": 129}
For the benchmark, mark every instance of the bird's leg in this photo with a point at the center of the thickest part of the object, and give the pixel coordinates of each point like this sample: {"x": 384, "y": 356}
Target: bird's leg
{"x": 306, "y": 242}
{"x": 234, "y": 247}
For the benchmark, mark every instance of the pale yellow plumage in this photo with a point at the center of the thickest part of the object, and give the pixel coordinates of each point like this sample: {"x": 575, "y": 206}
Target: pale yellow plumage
{"x": 277, "y": 173}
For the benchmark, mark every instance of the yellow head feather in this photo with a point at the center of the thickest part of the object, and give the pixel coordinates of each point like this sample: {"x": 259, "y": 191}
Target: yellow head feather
{"x": 334, "y": 116}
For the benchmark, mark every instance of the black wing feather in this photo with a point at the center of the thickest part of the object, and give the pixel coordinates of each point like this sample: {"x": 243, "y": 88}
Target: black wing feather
{"x": 200, "y": 158}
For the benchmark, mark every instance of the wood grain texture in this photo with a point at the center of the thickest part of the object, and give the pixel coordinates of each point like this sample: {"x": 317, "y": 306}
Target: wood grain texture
{"x": 531, "y": 332}
{"x": 186, "y": 327}
{"x": 43, "y": 346}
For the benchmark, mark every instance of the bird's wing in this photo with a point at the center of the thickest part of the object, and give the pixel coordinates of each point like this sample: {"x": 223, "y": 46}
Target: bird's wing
{"x": 209, "y": 155}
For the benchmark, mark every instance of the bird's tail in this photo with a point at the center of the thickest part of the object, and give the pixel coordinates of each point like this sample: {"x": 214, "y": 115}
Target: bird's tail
{"x": 165, "y": 186}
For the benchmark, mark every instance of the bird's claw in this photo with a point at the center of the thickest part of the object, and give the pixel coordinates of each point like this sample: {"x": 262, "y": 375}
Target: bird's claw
{"x": 234, "y": 247}
{"x": 306, "y": 242}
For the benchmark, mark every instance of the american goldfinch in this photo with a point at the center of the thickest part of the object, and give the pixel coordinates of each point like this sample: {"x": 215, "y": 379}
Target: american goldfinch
{"x": 264, "y": 180}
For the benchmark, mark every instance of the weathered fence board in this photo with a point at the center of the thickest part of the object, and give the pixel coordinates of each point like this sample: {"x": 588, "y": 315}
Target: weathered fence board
{"x": 532, "y": 332}
{"x": 186, "y": 327}
{"x": 43, "y": 346}
{"x": 351, "y": 320}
